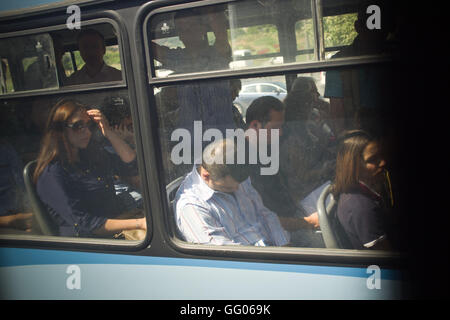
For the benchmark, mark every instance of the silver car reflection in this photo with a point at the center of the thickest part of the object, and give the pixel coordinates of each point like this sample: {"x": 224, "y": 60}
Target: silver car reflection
{"x": 252, "y": 91}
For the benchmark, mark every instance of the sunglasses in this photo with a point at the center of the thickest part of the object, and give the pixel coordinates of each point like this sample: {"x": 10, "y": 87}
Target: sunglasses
{"x": 80, "y": 125}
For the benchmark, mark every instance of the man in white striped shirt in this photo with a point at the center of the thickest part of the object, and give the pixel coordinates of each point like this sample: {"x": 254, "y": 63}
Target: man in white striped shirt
{"x": 216, "y": 204}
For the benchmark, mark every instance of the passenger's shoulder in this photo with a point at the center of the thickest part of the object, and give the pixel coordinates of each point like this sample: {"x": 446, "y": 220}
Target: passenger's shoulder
{"x": 73, "y": 78}
{"x": 54, "y": 169}
{"x": 356, "y": 202}
{"x": 110, "y": 69}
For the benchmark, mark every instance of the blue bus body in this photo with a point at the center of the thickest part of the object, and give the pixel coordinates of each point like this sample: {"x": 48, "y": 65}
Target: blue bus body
{"x": 43, "y": 274}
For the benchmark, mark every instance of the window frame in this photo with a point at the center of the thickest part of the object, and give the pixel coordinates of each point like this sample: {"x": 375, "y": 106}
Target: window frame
{"x": 73, "y": 88}
{"x": 90, "y": 18}
{"x": 345, "y": 257}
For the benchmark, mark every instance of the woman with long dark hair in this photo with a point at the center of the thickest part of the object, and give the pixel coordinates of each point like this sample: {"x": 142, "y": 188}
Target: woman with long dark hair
{"x": 74, "y": 173}
{"x": 363, "y": 189}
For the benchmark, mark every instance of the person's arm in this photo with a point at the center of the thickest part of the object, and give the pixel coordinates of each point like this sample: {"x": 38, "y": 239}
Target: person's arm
{"x": 112, "y": 226}
{"x": 56, "y": 190}
{"x": 293, "y": 224}
{"x": 125, "y": 152}
{"x": 197, "y": 225}
{"x": 21, "y": 221}
{"x": 279, "y": 235}
{"x": 369, "y": 227}
{"x": 382, "y": 244}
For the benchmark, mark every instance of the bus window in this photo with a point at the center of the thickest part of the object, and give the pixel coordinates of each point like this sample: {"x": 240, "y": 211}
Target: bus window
{"x": 339, "y": 31}
{"x": 234, "y": 36}
{"x": 356, "y": 30}
{"x": 306, "y": 161}
{"x": 304, "y": 34}
{"x": 252, "y": 44}
{"x": 67, "y": 203}
{"x": 311, "y": 110}
{"x": 31, "y": 61}
{"x": 5, "y": 79}
{"x": 52, "y": 60}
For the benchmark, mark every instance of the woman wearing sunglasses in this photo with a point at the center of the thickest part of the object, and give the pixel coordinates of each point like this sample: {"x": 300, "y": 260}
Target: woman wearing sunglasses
{"x": 363, "y": 189}
{"x": 74, "y": 174}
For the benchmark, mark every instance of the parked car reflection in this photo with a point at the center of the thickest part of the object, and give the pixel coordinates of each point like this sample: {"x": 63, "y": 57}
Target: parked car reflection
{"x": 252, "y": 91}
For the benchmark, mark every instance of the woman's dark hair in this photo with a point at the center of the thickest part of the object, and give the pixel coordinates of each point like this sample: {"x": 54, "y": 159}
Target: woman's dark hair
{"x": 349, "y": 160}
{"x": 55, "y": 143}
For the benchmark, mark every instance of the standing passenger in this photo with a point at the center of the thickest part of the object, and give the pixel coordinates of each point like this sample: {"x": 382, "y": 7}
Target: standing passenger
{"x": 209, "y": 102}
{"x": 91, "y": 44}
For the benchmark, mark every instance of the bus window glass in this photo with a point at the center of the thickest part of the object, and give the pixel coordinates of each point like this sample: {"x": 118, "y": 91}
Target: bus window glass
{"x": 5, "y": 79}
{"x": 303, "y": 157}
{"x": 31, "y": 62}
{"x": 338, "y": 31}
{"x": 252, "y": 42}
{"x": 82, "y": 174}
{"x": 304, "y": 34}
{"x": 61, "y": 58}
{"x": 234, "y": 36}
{"x": 358, "y": 28}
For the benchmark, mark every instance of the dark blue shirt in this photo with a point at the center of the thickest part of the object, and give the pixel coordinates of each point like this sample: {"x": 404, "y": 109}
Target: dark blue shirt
{"x": 81, "y": 197}
{"x": 362, "y": 216}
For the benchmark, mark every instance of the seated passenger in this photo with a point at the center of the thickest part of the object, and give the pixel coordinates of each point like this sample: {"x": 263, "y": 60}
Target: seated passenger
{"x": 91, "y": 44}
{"x": 216, "y": 204}
{"x": 74, "y": 175}
{"x": 360, "y": 186}
{"x": 14, "y": 208}
{"x": 268, "y": 113}
{"x": 117, "y": 112}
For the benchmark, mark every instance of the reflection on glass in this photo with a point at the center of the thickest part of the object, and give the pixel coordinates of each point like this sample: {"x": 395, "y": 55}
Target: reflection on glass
{"x": 28, "y": 63}
{"x": 234, "y": 36}
{"x": 352, "y": 32}
{"x": 94, "y": 167}
{"x": 307, "y": 146}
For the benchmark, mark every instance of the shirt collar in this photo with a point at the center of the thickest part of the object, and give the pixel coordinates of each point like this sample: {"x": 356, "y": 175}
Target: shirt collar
{"x": 369, "y": 190}
{"x": 205, "y": 191}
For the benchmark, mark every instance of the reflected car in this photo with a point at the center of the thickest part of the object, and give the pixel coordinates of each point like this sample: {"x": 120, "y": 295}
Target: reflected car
{"x": 251, "y": 91}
